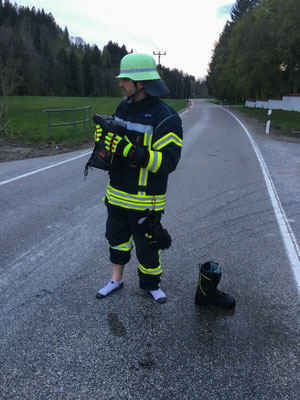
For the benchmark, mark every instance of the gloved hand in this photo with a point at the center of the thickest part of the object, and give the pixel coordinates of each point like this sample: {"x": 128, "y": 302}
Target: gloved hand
{"x": 119, "y": 145}
{"x": 98, "y": 133}
{"x": 158, "y": 236}
{"x": 163, "y": 239}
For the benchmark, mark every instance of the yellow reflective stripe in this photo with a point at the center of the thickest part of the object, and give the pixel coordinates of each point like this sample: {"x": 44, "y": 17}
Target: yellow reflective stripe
{"x": 134, "y": 197}
{"x": 200, "y": 283}
{"x": 135, "y": 202}
{"x": 150, "y": 271}
{"x": 124, "y": 246}
{"x": 165, "y": 140}
{"x": 139, "y": 207}
{"x": 143, "y": 177}
{"x": 155, "y": 161}
{"x": 151, "y": 159}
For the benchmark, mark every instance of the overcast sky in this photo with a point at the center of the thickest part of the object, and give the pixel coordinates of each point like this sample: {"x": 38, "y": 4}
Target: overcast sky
{"x": 185, "y": 30}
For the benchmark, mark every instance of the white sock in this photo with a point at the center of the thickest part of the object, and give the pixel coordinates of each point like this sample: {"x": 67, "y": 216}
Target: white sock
{"x": 158, "y": 295}
{"x": 110, "y": 287}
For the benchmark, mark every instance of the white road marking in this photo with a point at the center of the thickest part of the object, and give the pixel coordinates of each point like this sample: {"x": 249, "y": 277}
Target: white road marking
{"x": 287, "y": 234}
{"x": 42, "y": 169}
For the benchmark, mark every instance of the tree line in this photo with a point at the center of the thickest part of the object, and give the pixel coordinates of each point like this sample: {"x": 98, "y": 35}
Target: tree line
{"x": 258, "y": 52}
{"x": 37, "y": 57}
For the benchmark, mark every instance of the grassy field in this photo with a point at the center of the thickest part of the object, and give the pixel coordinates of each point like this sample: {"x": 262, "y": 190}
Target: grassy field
{"x": 29, "y": 124}
{"x": 286, "y": 120}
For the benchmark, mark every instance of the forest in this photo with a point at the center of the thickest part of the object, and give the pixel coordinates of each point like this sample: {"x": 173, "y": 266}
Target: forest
{"x": 257, "y": 56}
{"x": 258, "y": 53}
{"x": 39, "y": 58}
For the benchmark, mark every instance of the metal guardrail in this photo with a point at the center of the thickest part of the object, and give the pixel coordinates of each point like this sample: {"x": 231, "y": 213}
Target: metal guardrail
{"x": 86, "y": 119}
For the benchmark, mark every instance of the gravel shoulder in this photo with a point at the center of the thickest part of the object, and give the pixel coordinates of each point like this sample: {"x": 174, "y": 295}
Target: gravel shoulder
{"x": 12, "y": 151}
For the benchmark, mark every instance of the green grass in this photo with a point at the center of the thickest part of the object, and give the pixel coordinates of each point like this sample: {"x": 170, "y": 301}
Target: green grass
{"x": 29, "y": 124}
{"x": 214, "y": 101}
{"x": 286, "y": 120}
{"x": 224, "y": 103}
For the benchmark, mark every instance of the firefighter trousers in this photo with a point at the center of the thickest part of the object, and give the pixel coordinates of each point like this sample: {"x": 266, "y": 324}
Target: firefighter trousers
{"x": 122, "y": 229}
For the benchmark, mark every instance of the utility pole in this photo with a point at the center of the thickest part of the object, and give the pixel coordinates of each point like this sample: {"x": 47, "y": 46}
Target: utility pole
{"x": 159, "y": 54}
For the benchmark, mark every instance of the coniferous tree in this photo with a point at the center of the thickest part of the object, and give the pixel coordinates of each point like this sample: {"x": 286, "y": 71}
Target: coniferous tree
{"x": 10, "y": 76}
{"x": 62, "y": 73}
{"x": 1, "y": 12}
{"x": 240, "y": 8}
{"x": 86, "y": 71}
{"x": 97, "y": 81}
{"x": 74, "y": 75}
{"x": 219, "y": 75}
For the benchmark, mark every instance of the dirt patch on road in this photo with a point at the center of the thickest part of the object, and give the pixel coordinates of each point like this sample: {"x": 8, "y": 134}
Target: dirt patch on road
{"x": 11, "y": 150}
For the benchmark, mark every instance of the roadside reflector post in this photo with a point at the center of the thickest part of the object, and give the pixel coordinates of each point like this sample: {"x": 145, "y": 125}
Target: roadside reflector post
{"x": 268, "y": 121}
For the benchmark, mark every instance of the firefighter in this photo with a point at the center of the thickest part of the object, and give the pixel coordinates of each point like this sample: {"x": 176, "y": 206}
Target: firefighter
{"x": 136, "y": 190}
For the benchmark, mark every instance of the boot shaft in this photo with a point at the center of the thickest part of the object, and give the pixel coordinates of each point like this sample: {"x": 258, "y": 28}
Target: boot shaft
{"x": 209, "y": 277}
{"x": 207, "y": 292}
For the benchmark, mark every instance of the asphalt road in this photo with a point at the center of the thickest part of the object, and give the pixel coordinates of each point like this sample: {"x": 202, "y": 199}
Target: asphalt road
{"x": 59, "y": 342}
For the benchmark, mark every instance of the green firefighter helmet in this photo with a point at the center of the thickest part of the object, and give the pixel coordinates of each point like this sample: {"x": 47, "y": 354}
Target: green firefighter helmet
{"x": 142, "y": 67}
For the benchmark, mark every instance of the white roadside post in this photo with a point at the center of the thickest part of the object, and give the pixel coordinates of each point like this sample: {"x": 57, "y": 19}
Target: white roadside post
{"x": 268, "y": 121}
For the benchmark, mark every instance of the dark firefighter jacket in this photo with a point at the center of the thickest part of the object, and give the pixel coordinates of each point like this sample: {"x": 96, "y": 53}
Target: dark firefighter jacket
{"x": 156, "y": 130}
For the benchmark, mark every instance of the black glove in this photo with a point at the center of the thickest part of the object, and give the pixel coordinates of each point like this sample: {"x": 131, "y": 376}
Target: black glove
{"x": 162, "y": 238}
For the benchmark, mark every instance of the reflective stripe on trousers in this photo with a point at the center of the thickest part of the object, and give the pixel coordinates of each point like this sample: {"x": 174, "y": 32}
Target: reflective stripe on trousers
{"x": 124, "y": 246}
{"x": 151, "y": 271}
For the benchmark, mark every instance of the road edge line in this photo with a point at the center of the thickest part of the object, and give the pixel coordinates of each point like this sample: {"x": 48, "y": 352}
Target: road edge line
{"x": 288, "y": 237}
{"x": 42, "y": 169}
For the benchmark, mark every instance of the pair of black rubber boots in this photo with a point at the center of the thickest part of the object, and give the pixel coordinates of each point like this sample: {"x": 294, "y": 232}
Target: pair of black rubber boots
{"x": 207, "y": 293}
